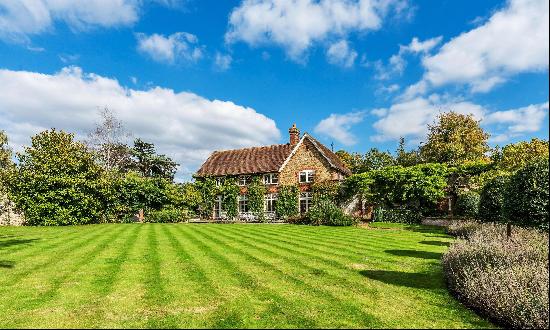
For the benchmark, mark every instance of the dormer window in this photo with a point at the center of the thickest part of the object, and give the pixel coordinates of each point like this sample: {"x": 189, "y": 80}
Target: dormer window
{"x": 306, "y": 176}
{"x": 272, "y": 178}
{"x": 244, "y": 180}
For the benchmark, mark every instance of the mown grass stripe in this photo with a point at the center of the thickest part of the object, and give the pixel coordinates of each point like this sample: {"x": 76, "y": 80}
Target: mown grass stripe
{"x": 249, "y": 282}
{"x": 328, "y": 297}
{"x": 82, "y": 258}
{"x": 334, "y": 280}
{"x": 156, "y": 295}
{"x": 57, "y": 256}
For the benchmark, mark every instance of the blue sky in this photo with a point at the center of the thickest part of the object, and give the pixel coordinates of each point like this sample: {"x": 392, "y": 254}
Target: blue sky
{"x": 199, "y": 75}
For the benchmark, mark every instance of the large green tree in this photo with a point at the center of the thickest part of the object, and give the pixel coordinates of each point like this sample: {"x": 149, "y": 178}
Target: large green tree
{"x": 5, "y": 151}
{"x": 58, "y": 182}
{"x": 148, "y": 163}
{"x": 373, "y": 159}
{"x": 516, "y": 155}
{"x": 455, "y": 138}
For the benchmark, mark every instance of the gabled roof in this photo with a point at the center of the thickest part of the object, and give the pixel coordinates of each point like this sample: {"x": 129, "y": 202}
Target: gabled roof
{"x": 246, "y": 161}
{"x": 267, "y": 159}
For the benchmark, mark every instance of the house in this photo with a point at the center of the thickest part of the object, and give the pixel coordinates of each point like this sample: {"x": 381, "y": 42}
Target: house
{"x": 302, "y": 161}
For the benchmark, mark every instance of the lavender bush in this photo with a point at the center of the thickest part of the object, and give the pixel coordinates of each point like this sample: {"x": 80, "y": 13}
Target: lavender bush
{"x": 505, "y": 279}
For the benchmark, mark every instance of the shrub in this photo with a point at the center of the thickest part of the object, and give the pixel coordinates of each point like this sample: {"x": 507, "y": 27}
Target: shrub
{"x": 326, "y": 212}
{"x": 526, "y": 196}
{"x": 397, "y": 215}
{"x": 491, "y": 199}
{"x": 287, "y": 202}
{"x": 463, "y": 228}
{"x": 167, "y": 215}
{"x": 467, "y": 204}
{"x": 504, "y": 279}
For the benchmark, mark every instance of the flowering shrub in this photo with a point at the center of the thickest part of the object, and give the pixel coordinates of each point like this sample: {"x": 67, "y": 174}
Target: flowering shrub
{"x": 504, "y": 279}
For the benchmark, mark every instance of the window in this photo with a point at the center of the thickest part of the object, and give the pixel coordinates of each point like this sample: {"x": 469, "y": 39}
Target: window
{"x": 243, "y": 204}
{"x": 244, "y": 180}
{"x": 305, "y": 201}
{"x": 272, "y": 178}
{"x": 306, "y": 176}
{"x": 270, "y": 202}
{"x": 218, "y": 207}
{"x": 219, "y": 182}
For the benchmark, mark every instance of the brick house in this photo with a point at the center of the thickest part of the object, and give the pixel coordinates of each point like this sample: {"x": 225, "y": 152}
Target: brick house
{"x": 302, "y": 161}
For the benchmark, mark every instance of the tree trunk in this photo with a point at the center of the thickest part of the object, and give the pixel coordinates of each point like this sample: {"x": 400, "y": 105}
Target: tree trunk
{"x": 140, "y": 216}
{"x": 508, "y": 230}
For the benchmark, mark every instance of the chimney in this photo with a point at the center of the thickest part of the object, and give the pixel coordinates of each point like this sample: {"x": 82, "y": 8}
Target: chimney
{"x": 294, "y": 135}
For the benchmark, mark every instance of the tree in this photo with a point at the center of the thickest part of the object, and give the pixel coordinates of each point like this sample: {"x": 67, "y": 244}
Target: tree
{"x": 372, "y": 160}
{"x": 516, "y": 155}
{"x": 5, "y": 151}
{"x": 406, "y": 158}
{"x": 526, "y": 197}
{"x": 58, "y": 182}
{"x": 148, "y": 163}
{"x": 454, "y": 139}
{"x": 107, "y": 140}
{"x": 491, "y": 201}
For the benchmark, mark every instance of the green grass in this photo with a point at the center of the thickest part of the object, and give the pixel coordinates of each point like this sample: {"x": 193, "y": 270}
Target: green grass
{"x": 207, "y": 275}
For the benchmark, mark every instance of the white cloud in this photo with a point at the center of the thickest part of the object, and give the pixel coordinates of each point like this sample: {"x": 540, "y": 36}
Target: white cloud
{"x": 388, "y": 89}
{"x": 516, "y": 122}
{"x": 296, "y": 25}
{"x": 338, "y": 126}
{"x": 223, "y": 62}
{"x": 182, "y": 125}
{"x": 397, "y": 63}
{"x": 410, "y": 118}
{"x": 20, "y": 18}
{"x": 180, "y": 46}
{"x": 513, "y": 40}
{"x": 341, "y": 54}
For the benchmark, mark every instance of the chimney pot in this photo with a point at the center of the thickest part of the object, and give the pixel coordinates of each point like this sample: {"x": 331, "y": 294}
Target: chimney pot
{"x": 294, "y": 133}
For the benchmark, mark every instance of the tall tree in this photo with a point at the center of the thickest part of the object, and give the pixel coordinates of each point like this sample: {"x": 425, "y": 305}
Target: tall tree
{"x": 455, "y": 138}
{"x": 108, "y": 141}
{"x": 58, "y": 182}
{"x": 516, "y": 155}
{"x": 146, "y": 161}
{"x": 373, "y": 159}
{"x": 406, "y": 158}
{"x": 5, "y": 151}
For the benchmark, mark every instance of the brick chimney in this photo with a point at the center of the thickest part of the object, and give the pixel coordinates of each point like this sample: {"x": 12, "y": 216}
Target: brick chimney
{"x": 294, "y": 135}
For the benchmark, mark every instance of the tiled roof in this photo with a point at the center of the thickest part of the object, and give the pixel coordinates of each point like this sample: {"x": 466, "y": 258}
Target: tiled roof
{"x": 246, "y": 161}
{"x": 333, "y": 158}
{"x": 260, "y": 160}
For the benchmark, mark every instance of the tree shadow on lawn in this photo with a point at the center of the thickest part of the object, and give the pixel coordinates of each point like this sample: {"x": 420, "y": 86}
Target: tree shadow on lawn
{"x": 415, "y": 254}
{"x": 411, "y": 280}
{"x": 6, "y": 264}
{"x": 12, "y": 242}
{"x": 436, "y": 243}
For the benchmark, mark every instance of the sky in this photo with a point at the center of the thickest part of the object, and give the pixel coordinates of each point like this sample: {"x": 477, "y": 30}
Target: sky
{"x": 194, "y": 76}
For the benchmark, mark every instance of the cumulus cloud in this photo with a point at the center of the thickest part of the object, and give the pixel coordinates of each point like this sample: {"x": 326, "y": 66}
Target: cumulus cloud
{"x": 338, "y": 126}
{"x": 177, "y": 47}
{"x": 340, "y": 53}
{"x": 222, "y": 62}
{"x": 397, "y": 63}
{"x": 513, "y": 40}
{"x": 19, "y": 19}
{"x": 410, "y": 118}
{"x": 296, "y": 25}
{"x": 182, "y": 125}
{"x": 516, "y": 122}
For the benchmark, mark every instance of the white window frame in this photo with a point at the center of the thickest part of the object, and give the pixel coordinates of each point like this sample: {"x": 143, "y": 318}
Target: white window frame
{"x": 271, "y": 178}
{"x": 309, "y": 176}
{"x": 218, "y": 209}
{"x": 306, "y": 197}
{"x": 244, "y": 180}
{"x": 243, "y": 198}
{"x": 270, "y": 201}
{"x": 219, "y": 181}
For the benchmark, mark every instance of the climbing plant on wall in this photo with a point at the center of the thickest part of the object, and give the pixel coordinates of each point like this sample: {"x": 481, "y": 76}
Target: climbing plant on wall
{"x": 287, "y": 202}
{"x": 256, "y": 194}
{"x": 230, "y": 192}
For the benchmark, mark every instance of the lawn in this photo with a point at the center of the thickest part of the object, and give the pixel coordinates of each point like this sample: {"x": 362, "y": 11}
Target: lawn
{"x": 207, "y": 275}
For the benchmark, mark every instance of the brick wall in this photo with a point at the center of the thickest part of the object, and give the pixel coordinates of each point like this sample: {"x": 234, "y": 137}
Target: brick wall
{"x": 307, "y": 157}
